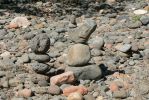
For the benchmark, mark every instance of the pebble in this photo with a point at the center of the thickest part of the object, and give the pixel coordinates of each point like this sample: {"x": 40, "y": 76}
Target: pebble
{"x": 144, "y": 20}
{"x": 122, "y": 94}
{"x": 71, "y": 89}
{"x": 78, "y": 54}
{"x": 123, "y": 47}
{"x": 67, "y": 77}
{"x": 75, "y": 96}
{"x": 24, "y": 93}
{"x": 140, "y": 12}
{"x": 39, "y": 57}
{"x": 89, "y": 97}
{"x": 54, "y": 89}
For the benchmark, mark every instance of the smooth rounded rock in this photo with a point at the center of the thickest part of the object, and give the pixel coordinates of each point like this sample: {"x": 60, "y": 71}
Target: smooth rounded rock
{"x": 78, "y": 54}
{"x": 75, "y": 96}
{"x": 39, "y": 57}
{"x": 54, "y": 90}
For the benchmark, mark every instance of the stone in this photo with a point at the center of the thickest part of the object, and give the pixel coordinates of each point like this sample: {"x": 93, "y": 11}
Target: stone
{"x": 88, "y": 97}
{"x": 67, "y": 77}
{"x": 82, "y": 33}
{"x": 144, "y": 20}
{"x": 111, "y": 1}
{"x": 95, "y": 94}
{"x": 39, "y": 57}
{"x": 23, "y": 59}
{"x": 146, "y": 53}
{"x": 100, "y": 98}
{"x": 43, "y": 83}
{"x": 140, "y": 12}
{"x": 40, "y": 67}
{"x": 40, "y": 43}
{"x": 134, "y": 25}
{"x": 96, "y": 42}
{"x": 19, "y": 22}
{"x": 123, "y": 47}
{"x": 113, "y": 87}
{"x": 24, "y": 93}
{"x": 120, "y": 94}
{"x": 54, "y": 89}
{"x": 78, "y": 54}
{"x": 89, "y": 72}
{"x": 75, "y": 96}
{"x": 72, "y": 89}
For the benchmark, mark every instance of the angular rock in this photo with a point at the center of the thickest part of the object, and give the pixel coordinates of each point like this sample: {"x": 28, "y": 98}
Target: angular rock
{"x": 89, "y": 72}
{"x": 144, "y": 20}
{"x": 40, "y": 43}
{"x": 19, "y": 22}
{"x": 75, "y": 96}
{"x": 54, "y": 90}
{"x": 78, "y": 54}
{"x": 72, "y": 89}
{"x": 123, "y": 47}
{"x": 82, "y": 33}
{"x": 39, "y": 57}
{"x": 67, "y": 77}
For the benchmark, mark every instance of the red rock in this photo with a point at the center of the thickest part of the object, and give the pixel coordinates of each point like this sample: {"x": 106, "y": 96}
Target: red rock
{"x": 67, "y": 77}
{"x": 12, "y": 25}
{"x": 71, "y": 89}
{"x": 113, "y": 87}
{"x": 24, "y": 93}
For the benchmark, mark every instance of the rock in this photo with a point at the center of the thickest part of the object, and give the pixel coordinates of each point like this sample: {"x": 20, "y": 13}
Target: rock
{"x": 100, "y": 98}
{"x": 140, "y": 12}
{"x": 67, "y": 77}
{"x": 40, "y": 90}
{"x": 40, "y": 67}
{"x": 39, "y": 57}
{"x": 144, "y": 20}
{"x": 113, "y": 87}
{"x": 19, "y": 22}
{"x": 24, "y": 93}
{"x": 40, "y": 43}
{"x": 89, "y": 72}
{"x": 134, "y": 25}
{"x": 43, "y": 83}
{"x": 5, "y": 54}
{"x": 54, "y": 90}
{"x": 88, "y": 97}
{"x": 2, "y": 33}
{"x": 24, "y": 58}
{"x": 95, "y": 94}
{"x": 111, "y": 1}
{"x": 143, "y": 87}
{"x": 120, "y": 94}
{"x": 78, "y": 54}
{"x": 146, "y": 53}
{"x": 72, "y": 89}
{"x": 36, "y": 78}
{"x": 123, "y": 47}
{"x": 96, "y": 42}
{"x": 75, "y": 96}
{"x": 82, "y": 33}
{"x": 72, "y": 19}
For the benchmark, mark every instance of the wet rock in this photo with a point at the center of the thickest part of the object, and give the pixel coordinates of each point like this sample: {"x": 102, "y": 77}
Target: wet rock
{"x": 67, "y": 77}
{"x": 78, "y": 55}
{"x": 75, "y": 96}
{"x": 19, "y": 22}
{"x": 82, "y": 33}
{"x": 123, "y": 47}
{"x": 89, "y": 72}
{"x": 72, "y": 89}
{"x": 40, "y": 67}
{"x": 40, "y": 43}
{"x": 39, "y": 57}
{"x": 54, "y": 89}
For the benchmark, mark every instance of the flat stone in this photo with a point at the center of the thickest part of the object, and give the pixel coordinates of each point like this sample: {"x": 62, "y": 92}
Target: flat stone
{"x": 140, "y": 12}
{"x": 39, "y": 57}
{"x": 89, "y": 72}
{"x": 123, "y": 47}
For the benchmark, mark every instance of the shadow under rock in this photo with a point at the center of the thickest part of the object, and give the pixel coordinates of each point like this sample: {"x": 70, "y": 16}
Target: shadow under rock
{"x": 27, "y": 9}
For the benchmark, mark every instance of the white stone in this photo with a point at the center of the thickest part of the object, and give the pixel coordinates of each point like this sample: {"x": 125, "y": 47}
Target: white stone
{"x": 140, "y": 12}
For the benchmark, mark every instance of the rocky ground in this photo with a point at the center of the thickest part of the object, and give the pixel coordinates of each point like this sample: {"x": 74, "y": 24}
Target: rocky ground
{"x": 89, "y": 51}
